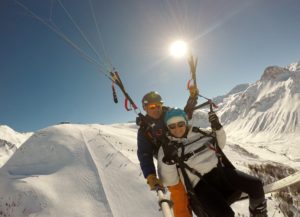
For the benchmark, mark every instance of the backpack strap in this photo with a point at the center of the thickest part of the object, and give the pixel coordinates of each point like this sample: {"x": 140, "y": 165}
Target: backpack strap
{"x": 148, "y": 127}
{"x": 223, "y": 161}
{"x": 194, "y": 202}
{"x": 191, "y": 154}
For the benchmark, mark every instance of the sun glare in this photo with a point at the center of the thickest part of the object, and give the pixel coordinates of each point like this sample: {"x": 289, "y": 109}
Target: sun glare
{"x": 178, "y": 48}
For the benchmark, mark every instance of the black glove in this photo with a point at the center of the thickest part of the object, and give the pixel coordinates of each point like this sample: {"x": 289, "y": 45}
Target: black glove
{"x": 214, "y": 121}
{"x": 170, "y": 153}
{"x": 190, "y": 105}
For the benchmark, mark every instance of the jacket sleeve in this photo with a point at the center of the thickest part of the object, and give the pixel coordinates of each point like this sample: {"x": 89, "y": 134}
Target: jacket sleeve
{"x": 221, "y": 137}
{"x": 167, "y": 173}
{"x": 189, "y": 107}
{"x": 145, "y": 154}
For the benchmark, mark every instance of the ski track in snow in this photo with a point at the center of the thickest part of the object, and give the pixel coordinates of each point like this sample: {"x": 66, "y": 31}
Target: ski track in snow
{"x": 120, "y": 196}
{"x": 51, "y": 174}
{"x": 92, "y": 162}
{"x": 90, "y": 155}
{"x": 78, "y": 166}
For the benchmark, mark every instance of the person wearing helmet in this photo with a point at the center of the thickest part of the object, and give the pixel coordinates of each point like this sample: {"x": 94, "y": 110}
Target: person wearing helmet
{"x": 151, "y": 134}
{"x": 213, "y": 180}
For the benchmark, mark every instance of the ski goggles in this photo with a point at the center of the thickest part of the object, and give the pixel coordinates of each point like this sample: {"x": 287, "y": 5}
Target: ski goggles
{"x": 153, "y": 106}
{"x": 175, "y": 125}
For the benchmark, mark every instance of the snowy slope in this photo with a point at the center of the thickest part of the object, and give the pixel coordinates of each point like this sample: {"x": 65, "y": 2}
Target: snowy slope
{"x": 10, "y": 140}
{"x": 267, "y": 113}
{"x": 236, "y": 89}
{"x": 271, "y": 104}
{"x": 83, "y": 170}
{"x": 76, "y": 170}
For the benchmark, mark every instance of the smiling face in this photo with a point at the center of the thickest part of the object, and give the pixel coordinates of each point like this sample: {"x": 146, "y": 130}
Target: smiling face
{"x": 177, "y": 129}
{"x": 176, "y": 121}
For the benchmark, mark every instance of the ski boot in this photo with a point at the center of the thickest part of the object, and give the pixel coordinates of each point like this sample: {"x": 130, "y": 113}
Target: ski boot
{"x": 260, "y": 210}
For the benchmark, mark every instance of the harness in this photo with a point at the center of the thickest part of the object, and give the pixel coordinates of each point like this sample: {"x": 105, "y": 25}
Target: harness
{"x": 194, "y": 202}
{"x": 181, "y": 164}
{"x": 211, "y": 144}
{"x": 223, "y": 161}
{"x": 154, "y": 134}
{"x": 215, "y": 147}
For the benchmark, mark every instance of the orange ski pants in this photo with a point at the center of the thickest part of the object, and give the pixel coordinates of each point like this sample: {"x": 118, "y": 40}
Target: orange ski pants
{"x": 180, "y": 200}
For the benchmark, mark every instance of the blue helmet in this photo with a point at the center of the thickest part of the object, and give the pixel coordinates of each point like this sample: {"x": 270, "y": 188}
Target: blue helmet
{"x": 175, "y": 115}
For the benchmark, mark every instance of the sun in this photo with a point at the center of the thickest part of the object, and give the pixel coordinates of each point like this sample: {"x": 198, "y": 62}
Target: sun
{"x": 178, "y": 48}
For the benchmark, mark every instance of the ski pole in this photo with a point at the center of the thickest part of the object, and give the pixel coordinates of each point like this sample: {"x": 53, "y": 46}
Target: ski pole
{"x": 164, "y": 203}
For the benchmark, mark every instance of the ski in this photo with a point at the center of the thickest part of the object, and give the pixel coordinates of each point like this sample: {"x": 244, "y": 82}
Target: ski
{"x": 279, "y": 184}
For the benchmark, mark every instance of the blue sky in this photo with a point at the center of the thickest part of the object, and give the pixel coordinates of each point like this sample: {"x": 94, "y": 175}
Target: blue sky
{"x": 44, "y": 80}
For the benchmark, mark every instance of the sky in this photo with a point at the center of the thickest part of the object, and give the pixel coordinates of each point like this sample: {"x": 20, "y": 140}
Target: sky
{"x": 45, "y": 80}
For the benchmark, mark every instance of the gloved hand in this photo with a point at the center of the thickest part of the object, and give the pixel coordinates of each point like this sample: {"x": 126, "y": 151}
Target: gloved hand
{"x": 214, "y": 121}
{"x": 193, "y": 91}
{"x": 153, "y": 182}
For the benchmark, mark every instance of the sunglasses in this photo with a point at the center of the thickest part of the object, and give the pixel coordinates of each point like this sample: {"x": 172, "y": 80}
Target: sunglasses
{"x": 178, "y": 124}
{"x": 154, "y": 106}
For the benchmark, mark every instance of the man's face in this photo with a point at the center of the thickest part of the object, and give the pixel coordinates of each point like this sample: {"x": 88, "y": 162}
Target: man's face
{"x": 154, "y": 110}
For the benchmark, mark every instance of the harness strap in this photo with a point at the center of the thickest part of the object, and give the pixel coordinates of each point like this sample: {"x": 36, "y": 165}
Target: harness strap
{"x": 196, "y": 140}
{"x": 148, "y": 125}
{"x": 192, "y": 170}
{"x": 215, "y": 148}
{"x": 189, "y": 155}
{"x": 198, "y": 130}
{"x": 195, "y": 204}
{"x": 222, "y": 162}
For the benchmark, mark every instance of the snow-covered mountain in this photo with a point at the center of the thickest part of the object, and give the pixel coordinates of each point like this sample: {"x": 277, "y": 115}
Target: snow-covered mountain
{"x": 83, "y": 170}
{"x": 10, "y": 140}
{"x": 266, "y": 112}
{"x": 12, "y": 136}
{"x": 236, "y": 89}
{"x": 76, "y": 170}
{"x": 271, "y": 104}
